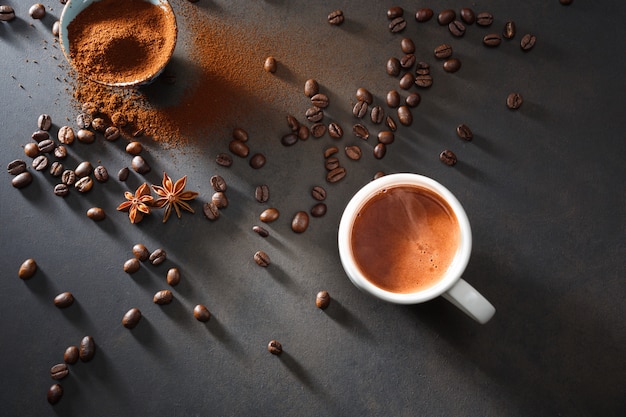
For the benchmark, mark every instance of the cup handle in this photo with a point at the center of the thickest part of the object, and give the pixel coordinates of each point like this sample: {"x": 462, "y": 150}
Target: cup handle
{"x": 470, "y": 301}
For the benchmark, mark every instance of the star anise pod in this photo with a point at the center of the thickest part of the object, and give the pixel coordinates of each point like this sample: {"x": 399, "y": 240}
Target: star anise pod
{"x": 138, "y": 204}
{"x": 173, "y": 195}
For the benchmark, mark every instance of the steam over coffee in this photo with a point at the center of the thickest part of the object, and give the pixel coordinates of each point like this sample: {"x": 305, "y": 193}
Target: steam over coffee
{"x": 405, "y": 238}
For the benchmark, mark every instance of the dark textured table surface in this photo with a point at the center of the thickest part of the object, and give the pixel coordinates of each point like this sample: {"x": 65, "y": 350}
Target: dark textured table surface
{"x": 543, "y": 187}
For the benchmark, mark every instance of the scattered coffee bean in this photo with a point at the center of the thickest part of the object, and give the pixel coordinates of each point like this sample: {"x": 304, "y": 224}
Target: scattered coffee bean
{"x": 40, "y": 135}
{"x": 514, "y": 101}
{"x": 37, "y": 11}
{"x": 468, "y": 16}
{"x": 528, "y": 42}
{"x": 84, "y": 184}
{"x": 320, "y": 100}
{"x": 336, "y": 17}
{"x": 201, "y": 313}
{"x": 224, "y": 159}
{"x": 413, "y": 100}
{"x": 378, "y": 175}
{"x": 59, "y": 371}
{"x": 318, "y": 210}
{"x": 44, "y": 122}
{"x": 173, "y": 277}
{"x": 270, "y": 65}
{"x": 404, "y": 115}
{"x": 134, "y": 148}
{"x": 163, "y": 297}
{"x": 566, "y": 2}
{"x": 446, "y": 16}
{"x": 210, "y": 210}
{"x": 393, "y": 66}
{"x": 407, "y": 61}
{"x": 96, "y": 214}
{"x": 300, "y": 222}
{"x": 318, "y": 130}
{"x": 61, "y": 190}
{"x": 318, "y": 193}
{"x": 360, "y": 131}
{"x": 330, "y": 151}
{"x": 83, "y": 169}
{"x": 131, "y": 266}
{"x": 27, "y": 269}
{"x": 456, "y": 28}
{"x": 360, "y": 109}
{"x": 390, "y": 123}
{"x": 31, "y": 150}
{"x": 60, "y": 152}
{"x": 395, "y": 11}
{"x": 353, "y": 152}
{"x": 407, "y": 45}
{"x": 443, "y": 51}
{"x": 422, "y": 68}
{"x": 509, "y": 30}
{"x": 99, "y": 125}
{"x": 141, "y": 252}
{"x": 335, "y": 131}
{"x": 274, "y": 347}
{"x": 336, "y": 175}
{"x": 85, "y": 136}
{"x": 64, "y": 300}
{"x": 424, "y": 80}
{"x": 269, "y": 215}
{"x": 448, "y": 157}
{"x": 464, "y": 132}
{"x": 260, "y": 231}
{"x": 68, "y": 177}
{"x": 240, "y": 134}
{"x": 218, "y": 183}
{"x": 322, "y": 299}
{"x": 303, "y": 132}
{"x": 386, "y": 136}
{"x": 484, "y": 19}
{"x": 40, "y": 163}
{"x": 331, "y": 163}
{"x": 87, "y": 349}
{"x": 380, "y": 150}
{"x": 71, "y": 355}
{"x": 46, "y": 146}
{"x": 239, "y": 148}
{"x": 90, "y": 108}
{"x": 262, "y": 193}
{"x": 492, "y": 39}
{"x": 314, "y": 114}
{"x": 257, "y": 161}
{"x": 112, "y": 133}
{"x": 424, "y": 14}
{"x": 397, "y": 25}
{"x": 123, "y": 174}
{"x": 220, "y": 199}
{"x": 293, "y": 123}
{"x": 131, "y": 318}
{"x": 83, "y": 121}
{"x": 16, "y": 167}
{"x": 452, "y": 65}
{"x": 157, "y": 257}
{"x": 289, "y": 139}
{"x": 140, "y": 165}
{"x": 262, "y": 259}
{"x": 393, "y": 99}
{"x": 55, "y": 393}
{"x": 101, "y": 174}
{"x": 407, "y": 81}
{"x": 311, "y": 87}
{"x": 6, "y": 13}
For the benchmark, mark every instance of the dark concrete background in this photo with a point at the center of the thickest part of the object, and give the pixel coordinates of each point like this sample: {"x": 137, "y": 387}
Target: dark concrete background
{"x": 543, "y": 188}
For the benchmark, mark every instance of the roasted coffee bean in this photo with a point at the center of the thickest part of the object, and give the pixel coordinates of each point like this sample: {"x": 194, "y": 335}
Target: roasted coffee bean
{"x": 322, "y": 299}
{"x": 163, "y": 297}
{"x": 123, "y": 174}
{"x": 566, "y": 2}
{"x": 99, "y": 125}
{"x": 96, "y": 214}
{"x": 413, "y": 100}
{"x": 140, "y": 252}
{"x": 261, "y": 258}
{"x": 331, "y": 163}
{"x": 300, "y": 222}
{"x": 330, "y": 151}
{"x": 131, "y": 318}
{"x": 112, "y": 133}
{"x": 262, "y": 193}
{"x": 387, "y": 137}
{"x": 424, "y": 81}
{"x": 448, "y": 157}
{"x": 360, "y": 131}
{"x": 40, "y": 135}
{"x": 68, "y": 177}
{"x": 40, "y": 163}
{"x": 289, "y": 139}
{"x": 335, "y": 17}
{"x": 44, "y": 122}
{"x": 424, "y": 14}
{"x": 85, "y": 136}
{"x": 16, "y": 167}
{"x": 64, "y": 300}
{"x": 224, "y": 159}
{"x": 173, "y": 277}
{"x": 56, "y": 169}
{"x": 87, "y": 349}
{"x": 157, "y": 257}
{"x": 464, "y": 132}
{"x": 320, "y": 100}
{"x": 218, "y": 183}
{"x": 404, "y": 115}
{"x": 393, "y": 66}
{"x": 140, "y": 165}
{"x": 210, "y": 210}
{"x": 397, "y": 25}
{"x": 514, "y": 101}
{"x": 239, "y": 148}
{"x": 83, "y": 169}
{"x": 70, "y": 355}
{"x": 27, "y": 269}
{"x": 270, "y": 65}
{"x": 131, "y": 266}
{"x": 61, "y": 190}
{"x": 46, "y": 146}
{"x": 84, "y": 184}
{"x": 422, "y": 68}
{"x": 335, "y": 131}
{"x": 528, "y": 42}
{"x": 56, "y": 28}
{"x": 90, "y": 108}
{"x": 257, "y": 161}
{"x": 452, "y": 65}
{"x": 380, "y": 150}
{"x": 492, "y": 39}
{"x": 37, "y": 11}
{"x": 446, "y": 16}
{"x": 407, "y": 45}
{"x": 468, "y": 16}
{"x": 134, "y": 148}
{"x": 260, "y": 231}
{"x": 55, "y": 393}
{"x": 318, "y": 130}
{"x": 83, "y": 121}
{"x": 101, "y": 174}
{"x": 378, "y": 175}
{"x": 240, "y": 134}
{"x": 318, "y": 210}
{"x": 407, "y": 81}
{"x": 363, "y": 94}
{"x": 336, "y": 175}
{"x": 31, "y": 150}
{"x": 314, "y": 114}
{"x": 6, "y": 13}
{"x": 269, "y": 215}
{"x": 407, "y": 61}
{"x": 393, "y": 99}
{"x": 456, "y": 28}
{"x": 395, "y": 11}
{"x": 201, "y": 313}
{"x": 220, "y": 199}
{"x": 353, "y": 152}
{"x": 60, "y": 152}
{"x": 303, "y": 132}
{"x": 509, "y": 30}
{"x": 59, "y": 371}
{"x": 318, "y": 193}
{"x": 293, "y": 123}
{"x": 311, "y": 87}
{"x": 118, "y": 119}
{"x": 391, "y": 124}
{"x": 360, "y": 109}
{"x": 443, "y": 51}
{"x": 484, "y": 19}
{"x": 274, "y": 347}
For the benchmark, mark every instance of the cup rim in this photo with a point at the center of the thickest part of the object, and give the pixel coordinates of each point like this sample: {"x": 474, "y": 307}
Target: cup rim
{"x": 454, "y": 271}
{"x": 73, "y": 7}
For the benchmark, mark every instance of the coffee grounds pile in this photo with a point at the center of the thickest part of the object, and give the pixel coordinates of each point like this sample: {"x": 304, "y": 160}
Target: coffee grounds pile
{"x": 131, "y": 44}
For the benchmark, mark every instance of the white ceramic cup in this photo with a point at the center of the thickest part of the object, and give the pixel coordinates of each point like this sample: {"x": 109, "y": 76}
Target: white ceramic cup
{"x": 451, "y": 286}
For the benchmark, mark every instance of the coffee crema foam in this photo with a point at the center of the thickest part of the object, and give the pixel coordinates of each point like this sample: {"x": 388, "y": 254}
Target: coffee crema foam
{"x": 404, "y": 239}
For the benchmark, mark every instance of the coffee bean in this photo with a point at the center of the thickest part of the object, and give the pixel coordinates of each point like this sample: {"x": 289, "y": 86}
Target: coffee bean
{"x": 360, "y": 131}
{"x": 448, "y": 157}
{"x": 318, "y": 193}
{"x": 131, "y": 318}
{"x": 140, "y": 165}
{"x": 85, "y": 136}
{"x": 293, "y": 123}
{"x": 31, "y": 150}
{"x": 468, "y": 16}
{"x": 380, "y": 150}
{"x": 443, "y": 51}
{"x": 492, "y": 39}
{"x": 393, "y": 99}
{"x": 239, "y": 148}
{"x": 27, "y": 269}
{"x": 218, "y": 183}
{"x": 269, "y": 215}
{"x": 322, "y": 299}
{"x": 424, "y": 81}
{"x": 390, "y": 123}
{"x": 464, "y": 132}
{"x": 446, "y": 16}
{"x": 68, "y": 177}
{"x": 514, "y": 101}
{"x": 311, "y": 87}
{"x": 422, "y": 68}
{"x": 300, "y": 222}
{"x": 407, "y": 45}
{"x": 452, "y": 65}
{"x": 56, "y": 28}
{"x": 16, "y": 167}
{"x": 314, "y": 114}
{"x": 456, "y": 28}
{"x": 330, "y": 151}
{"x": 90, "y": 108}
{"x": 37, "y": 11}
{"x": 61, "y": 190}
{"x": 240, "y": 134}
{"x": 96, "y": 214}
{"x": 220, "y": 199}
{"x": 123, "y": 173}
{"x": 6, "y": 13}
{"x": 83, "y": 120}
{"x": 320, "y": 100}
{"x": 318, "y": 210}
{"x": 363, "y": 94}
{"x": 257, "y": 161}
{"x": 413, "y": 100}
{"x": 509, "y": 30}
{"x": 336, "y": 175}
{"x": 395, "y": 11}
{"x": 87, "y": 349}
{"x": 484, "y": 19}
{"x": 55, "y": 393}
{"x": 335, "y": 131}
{"x": 393, "y": 67}
{"x": 46, "y": 146}
{"x": 353, "y": 152}
{"x": 112, "y": 133}
{"x": 210, "y": 210}
{"x": 566, "y": 2}
{"x": 99, "y": 125}
{"x": 387, "y": 137}
{"x": 70, "y": 355}
{"x": 407, "y": 81}
{"x": 404, "y": 115}
{"x": 40, "y": 135}
{"x": 40, "y": 163}
{"x": 60, "y": 152}
{"x": 140, "y": 252}
{"x": 163, "y": 297}
{"x": 84, "y": 184}
{"x": 134, "y": 148}
{"x": 157, "y": 257}
{"x": 83, "y": 169}
{"x": 201, "y": 313}
{"x": 528, "y": 42}
{"x": 360, "y": 109}
{"x": 424, "y": 14}
{"x": 44, "y": 122}
{"x": 64, "y": 300}
{"x": 335, "y": 17}
{"x": 318, "y": 130}
{"x": 331, "y": 163}
{"x": 224, "y": 159}
{"x": 407, "y": 61}
{"x": 274, "y": 347}
{"x": 378, "y": 175}
{"x": 397, "y": 25}
{"x": 289, "y": 139}
{"x": 260, "y": 231}
{"x": 262, "y": 193}
{"x": 262, "y": 259}
{"x": 101, "y": 174}
{"x": 131, "y": 266}
{"x": 270, "y": 65}
{"x": 59, "y": 371}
